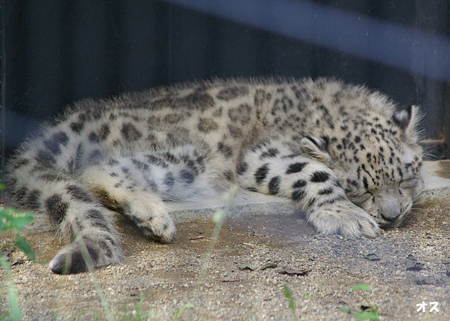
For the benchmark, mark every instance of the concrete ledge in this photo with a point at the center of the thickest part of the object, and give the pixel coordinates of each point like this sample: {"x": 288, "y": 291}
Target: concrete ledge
{"x": 245, "y": 203}
{"x": 436, "y": 177}
{"x": 436, "y": 181}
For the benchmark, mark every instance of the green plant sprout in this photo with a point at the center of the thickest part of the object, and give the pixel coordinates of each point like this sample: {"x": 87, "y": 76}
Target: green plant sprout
{"x": 138, "y": 314}
{"x": 98, "y": 289}
{"x": 219, "y": 219}
{"x": 12, "y": 219}
{"x": 181, "y": 310}
{"x": 310, "y": 296}
{"x": 371, "y": 313}
{"x": 288, "y": 294}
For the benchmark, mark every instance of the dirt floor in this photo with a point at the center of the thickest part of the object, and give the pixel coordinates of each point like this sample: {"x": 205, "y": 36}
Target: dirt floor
{"x": 407, "y": 271}
{"x": 403, "y": 267}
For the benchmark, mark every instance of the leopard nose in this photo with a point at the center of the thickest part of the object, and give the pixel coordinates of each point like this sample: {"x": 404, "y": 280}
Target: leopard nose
{"x": 391, "y": 209}
{"x": 389, "y": 218}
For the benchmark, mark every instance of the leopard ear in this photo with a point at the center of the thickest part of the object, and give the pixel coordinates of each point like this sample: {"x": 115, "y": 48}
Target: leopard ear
{"x": 317, "y": 148}
{"x": 407, "y": 120}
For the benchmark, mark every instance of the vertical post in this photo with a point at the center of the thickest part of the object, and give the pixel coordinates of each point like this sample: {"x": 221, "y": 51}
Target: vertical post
{"x": 447, "y": 104}
{"x": 2, "y": 96}
{"x": 447, "y": 120}
{"x": 432, "y": 16}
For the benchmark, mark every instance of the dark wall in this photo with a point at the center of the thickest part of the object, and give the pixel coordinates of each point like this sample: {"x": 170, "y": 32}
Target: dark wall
{"x": 61, "y": 51}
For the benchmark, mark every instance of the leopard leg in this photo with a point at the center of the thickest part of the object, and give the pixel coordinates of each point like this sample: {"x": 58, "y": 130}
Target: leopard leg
{"x": 95, "y": 240}
{"x": 138, "y": 202}
{"x": 276, "y": 168}
{"x": 138, "y": 185}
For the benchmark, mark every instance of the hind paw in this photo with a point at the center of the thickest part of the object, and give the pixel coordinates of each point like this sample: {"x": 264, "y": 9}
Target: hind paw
{"x": 87, "y": 253}
{"x": 68, "y": 262}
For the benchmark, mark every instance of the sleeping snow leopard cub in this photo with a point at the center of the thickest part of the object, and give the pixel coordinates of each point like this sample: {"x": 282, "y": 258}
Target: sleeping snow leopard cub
{"x": 343, "y": 154}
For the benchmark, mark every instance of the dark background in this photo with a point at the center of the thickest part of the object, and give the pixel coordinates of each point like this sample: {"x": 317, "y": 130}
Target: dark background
{"x": 58, "y": 52}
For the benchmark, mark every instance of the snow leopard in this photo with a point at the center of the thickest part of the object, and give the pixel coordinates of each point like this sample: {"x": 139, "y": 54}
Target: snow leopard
{"x": 345, "y": 155}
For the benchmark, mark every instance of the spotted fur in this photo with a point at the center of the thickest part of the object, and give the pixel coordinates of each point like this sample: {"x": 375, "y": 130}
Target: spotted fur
{"x": 345, "y": 155}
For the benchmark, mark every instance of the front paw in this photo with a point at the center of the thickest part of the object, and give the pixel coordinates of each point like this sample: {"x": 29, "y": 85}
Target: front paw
{"x": 346, "y": 219}
{"x": 160, "y": 227}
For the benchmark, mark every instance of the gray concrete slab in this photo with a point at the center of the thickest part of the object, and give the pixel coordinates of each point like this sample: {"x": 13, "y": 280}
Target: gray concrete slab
{"x": 436, "y": 177}
{"x": 436, "y": 182}
{"x": 245, "y": 203}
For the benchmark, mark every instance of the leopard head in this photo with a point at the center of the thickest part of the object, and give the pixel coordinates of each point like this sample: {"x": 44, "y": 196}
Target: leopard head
{"x": 377, "y": 161}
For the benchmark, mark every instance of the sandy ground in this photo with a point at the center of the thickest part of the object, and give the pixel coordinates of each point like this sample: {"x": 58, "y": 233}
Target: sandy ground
{"x": 403, "y": 267}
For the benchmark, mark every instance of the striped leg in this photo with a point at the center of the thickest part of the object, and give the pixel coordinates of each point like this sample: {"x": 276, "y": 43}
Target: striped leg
{"x": 86, "y": 222}
{"x": 274, "y": 168}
